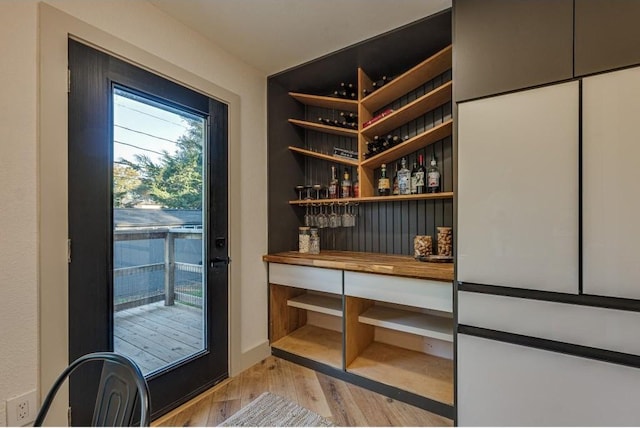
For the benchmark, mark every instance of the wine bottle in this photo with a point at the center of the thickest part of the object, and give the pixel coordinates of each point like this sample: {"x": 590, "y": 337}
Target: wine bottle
{"x": 349, "y": 116}
{"x": 412, "y": 181}
{"x": 345, "y": 185}
{"x": 333, "y": 184}
{"x": 356, "y": 187}
{"x": 433, "y": 177}
{"x": 420, "y": 175}
{"x": 404, "y": 179}
{"x": 383, "y": 182}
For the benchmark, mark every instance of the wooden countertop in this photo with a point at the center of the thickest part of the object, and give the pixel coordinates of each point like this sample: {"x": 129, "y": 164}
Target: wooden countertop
{"x": 386, "y": 264}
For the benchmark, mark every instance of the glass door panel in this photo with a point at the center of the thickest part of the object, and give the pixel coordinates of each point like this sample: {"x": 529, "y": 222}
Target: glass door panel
{"x": 159, "y": 285}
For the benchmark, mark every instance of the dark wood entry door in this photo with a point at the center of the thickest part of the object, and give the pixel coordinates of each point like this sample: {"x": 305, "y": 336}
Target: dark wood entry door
{"x": 148, "y": 275}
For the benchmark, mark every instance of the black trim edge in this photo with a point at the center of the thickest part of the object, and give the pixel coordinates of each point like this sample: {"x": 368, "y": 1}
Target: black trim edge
{"x": 551, "y": 296}
{"x": 392, "y": 392}
{"x": 553, "y": 346}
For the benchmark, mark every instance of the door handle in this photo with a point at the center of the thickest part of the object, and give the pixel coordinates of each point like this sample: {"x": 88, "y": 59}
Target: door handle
{"x": 217, "y": 260}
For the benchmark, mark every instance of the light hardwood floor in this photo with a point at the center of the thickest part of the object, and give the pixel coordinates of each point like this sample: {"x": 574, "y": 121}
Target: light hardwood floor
{"x": 341, "y": 402}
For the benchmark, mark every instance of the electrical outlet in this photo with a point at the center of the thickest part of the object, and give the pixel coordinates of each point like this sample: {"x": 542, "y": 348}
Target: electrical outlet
{"x": 21, "y": 410}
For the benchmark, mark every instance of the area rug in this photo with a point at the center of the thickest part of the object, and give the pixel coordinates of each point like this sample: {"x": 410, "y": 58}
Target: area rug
{"x": 271, "y": 410}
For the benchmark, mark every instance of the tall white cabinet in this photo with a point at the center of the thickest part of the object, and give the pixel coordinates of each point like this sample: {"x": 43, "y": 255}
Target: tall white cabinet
{"x": 518, "y": 189}
{"x": 539, "y": 348}
{"x": 611, "y": 180}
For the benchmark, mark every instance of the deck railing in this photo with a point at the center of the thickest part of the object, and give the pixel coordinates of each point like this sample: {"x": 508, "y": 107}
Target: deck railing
{"x": 166, "y": 279}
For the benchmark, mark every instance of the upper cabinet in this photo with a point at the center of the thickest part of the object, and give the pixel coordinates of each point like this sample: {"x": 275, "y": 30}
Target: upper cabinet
{"x": 607, "y": 35}
{"x": 504, "y": 45}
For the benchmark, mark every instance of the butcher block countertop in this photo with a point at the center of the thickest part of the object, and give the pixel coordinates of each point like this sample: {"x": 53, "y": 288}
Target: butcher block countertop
{"x": 386, "y": 264}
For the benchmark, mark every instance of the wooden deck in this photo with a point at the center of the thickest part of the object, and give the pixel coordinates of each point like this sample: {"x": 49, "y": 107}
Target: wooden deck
{"x": 155, "y": 335}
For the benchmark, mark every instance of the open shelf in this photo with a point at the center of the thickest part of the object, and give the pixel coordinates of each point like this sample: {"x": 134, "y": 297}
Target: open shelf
{"x": 336, "y": 159}
{"x": 408, "y": 81}
{"x": 343, "y": 132}
{"x": 318, "y": 303}
{"x": 326, "y": 102}
{"x": 414, "y": 109}
{"x": 430, "y": 136}
{"x": 422, "y": 374}
{"x": 366, "y": 199}
{"x": 316, "y": 343}
{"x": 409, "y": 322}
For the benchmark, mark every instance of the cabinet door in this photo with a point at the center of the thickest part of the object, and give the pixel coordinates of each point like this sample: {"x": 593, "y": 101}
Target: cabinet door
{"x": 518, "y": 189}
{"x": 611, "y": 173}
{"x": 502, "y": 45}
{"x": 500, "y": 384}
{"x": 607, "y": 35}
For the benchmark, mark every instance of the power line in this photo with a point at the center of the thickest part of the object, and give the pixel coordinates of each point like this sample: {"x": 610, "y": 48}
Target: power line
{"x": 145, "y": 133}
{"x": 154, "y": 116}
{"x": 138, "y": 147}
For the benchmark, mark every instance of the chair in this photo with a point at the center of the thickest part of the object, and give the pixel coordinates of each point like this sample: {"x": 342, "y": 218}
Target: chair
{"x": 121, "y": 385}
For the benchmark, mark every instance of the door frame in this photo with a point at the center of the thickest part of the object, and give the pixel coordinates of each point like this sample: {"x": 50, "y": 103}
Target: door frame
{"x": 55, "y": 29}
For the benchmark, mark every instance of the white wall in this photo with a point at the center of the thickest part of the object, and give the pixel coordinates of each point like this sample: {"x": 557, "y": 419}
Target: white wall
{"x": 146, "y": 27}
{"x": 18, "y": 213}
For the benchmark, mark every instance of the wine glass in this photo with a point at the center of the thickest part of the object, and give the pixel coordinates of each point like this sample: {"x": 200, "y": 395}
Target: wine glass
{"x": 299, "y": 188}
{"x": 334, "y": 219}
{"x": 322, "y": 219}
{"x": 308, "y": 217}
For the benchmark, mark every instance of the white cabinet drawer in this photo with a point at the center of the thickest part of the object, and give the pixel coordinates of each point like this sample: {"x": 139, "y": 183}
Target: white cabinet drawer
{"x": 500, "y": 384}
{"x": 422, "y": 293}
{"x": 318, "y": 279}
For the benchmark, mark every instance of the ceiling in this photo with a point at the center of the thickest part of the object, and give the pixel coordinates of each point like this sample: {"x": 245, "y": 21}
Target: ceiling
{"x": 274, "y": 35}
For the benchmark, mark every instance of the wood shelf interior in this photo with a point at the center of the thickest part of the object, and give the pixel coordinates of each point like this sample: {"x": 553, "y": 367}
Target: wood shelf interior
{"x": 370, "y": 199}
{"x": 416, "y": 108}
{"x": 326, "y": 102}
{"x": 422, "y": 374}
{"x": 313, "y": 342}
{"x": 409, "y": 322}
{"x": 343, "y": 132}
{"x": 324, "y": 304}
{"x": 330, "y": 158}
{"x": 410, "y": 80}
{"x": 430, "y": 136}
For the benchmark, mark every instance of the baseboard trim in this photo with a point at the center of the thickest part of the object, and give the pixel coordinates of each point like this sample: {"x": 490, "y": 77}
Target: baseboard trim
{"x": 251, "y": 357}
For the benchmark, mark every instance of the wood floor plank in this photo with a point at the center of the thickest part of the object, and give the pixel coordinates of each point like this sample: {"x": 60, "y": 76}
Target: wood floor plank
{"x": 308, "y": 390}
{"x": 253, "y": 382}
{"x": 373, "y": 407}
{"x": 344, "y": 410}
{"x": 280, "y": 380}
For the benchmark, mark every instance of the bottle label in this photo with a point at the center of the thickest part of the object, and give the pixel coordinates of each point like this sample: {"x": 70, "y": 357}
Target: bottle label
{"x": 333, "y": 191}
{"x": 419, "y": 176}
{"x": 413, "y": 183}
{"x": 404, "y": 185}
{"x": 383, "y": 183}
{"x": 433, "y": 179}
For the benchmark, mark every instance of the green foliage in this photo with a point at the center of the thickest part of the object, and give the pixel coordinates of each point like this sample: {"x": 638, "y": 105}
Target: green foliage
{"x": 176, "y": 180}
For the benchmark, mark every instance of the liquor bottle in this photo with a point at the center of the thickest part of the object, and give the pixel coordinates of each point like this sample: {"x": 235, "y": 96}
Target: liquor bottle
{"x": 414, "y": 177}
{"x": 333, "y": 184}
{"x": 404, "y": 179}
{"x": 356, "y": 187}
{"x": 345, "y": 185}
{"x": 433, "y": 177}
{"x": 420, "y": 174}
{"x": 384, "y": 188}
{"x": 396, "y": 191}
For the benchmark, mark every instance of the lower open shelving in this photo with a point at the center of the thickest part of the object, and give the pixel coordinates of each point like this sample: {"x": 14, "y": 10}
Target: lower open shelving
{"x": 313, "y": 342}
{"x": 422, "y": 374}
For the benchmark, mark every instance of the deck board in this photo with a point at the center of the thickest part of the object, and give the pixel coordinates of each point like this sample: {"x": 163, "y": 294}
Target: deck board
{"x": 155, "y": 335}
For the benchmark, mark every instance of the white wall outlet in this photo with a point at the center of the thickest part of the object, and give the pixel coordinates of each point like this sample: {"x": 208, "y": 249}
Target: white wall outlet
{"x": 21, "y": 410}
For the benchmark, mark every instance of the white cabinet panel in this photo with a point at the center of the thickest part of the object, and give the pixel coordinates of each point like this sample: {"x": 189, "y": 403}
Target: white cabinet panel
{"x": 327, "y": 280}
{"x": 518, "y": 189}
{"x": 500, "y": 384}
{"x": 421, "y": 293}
{"x": 611, "y": 180}
{"x": 595, "y": 327}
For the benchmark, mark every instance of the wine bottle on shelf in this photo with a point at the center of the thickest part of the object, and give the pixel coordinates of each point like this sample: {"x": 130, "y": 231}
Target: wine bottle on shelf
{"x": 349, "y": 116}
{"x": 412, "y": 181}
{"x": 356, "y": 186}
{"x": 345, "y": 185}
{"x": 404, "y": 179}
{"x": 420, "y": 175}
{"x": 384, "y": 187}
{"x": 396, "y": 191}
{"x": 433, "y": 177}
{"x": 333, "y": 184}
{"x": 366, "y": 92}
